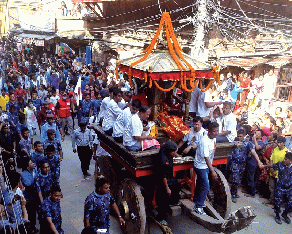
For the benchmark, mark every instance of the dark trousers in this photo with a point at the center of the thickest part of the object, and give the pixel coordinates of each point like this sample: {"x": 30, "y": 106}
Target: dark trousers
{"x": 163, "y": 200}
{"x": 85, "y": 155}
{"x": 109, "y": 132}
{"x": 279, "y": 197}
{"x": 31, "y": 208}
{"x": 251, "y": 169}
{"x": 119, "y": 139}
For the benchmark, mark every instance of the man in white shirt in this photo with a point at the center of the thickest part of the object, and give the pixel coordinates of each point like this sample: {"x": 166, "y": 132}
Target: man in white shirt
{"x": 229, "y": 123}
{"x": 124, "y": 119}
{"x": 103, "y": 106}
{"x": 205, "y": 103}
{"x": 203, "y": 164}
{"x": 228, "y": 132}
{"x": 192, "y": 139}
{"x": 270, "y": 82}
{"x": 193, "y": 105}
{"x": 112, "y": 112}
{"x": 133, "y": 132}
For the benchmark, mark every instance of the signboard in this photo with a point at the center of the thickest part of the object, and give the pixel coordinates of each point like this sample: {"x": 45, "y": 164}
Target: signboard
{"x": 29, "y": 41}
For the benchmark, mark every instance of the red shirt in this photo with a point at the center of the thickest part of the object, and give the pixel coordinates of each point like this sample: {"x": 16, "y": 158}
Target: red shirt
{"x": 19, "y": 93}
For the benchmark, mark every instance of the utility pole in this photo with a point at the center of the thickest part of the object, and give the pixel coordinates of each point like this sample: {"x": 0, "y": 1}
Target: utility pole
{"x": 200, "y": 21}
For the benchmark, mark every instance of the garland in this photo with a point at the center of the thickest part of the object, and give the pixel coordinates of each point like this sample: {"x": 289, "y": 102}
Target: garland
{"x": 117, "y": 70}
{"x": 207, "y": 87}
{"x": 162, "y": 89}
{"x": 176, "y": 54}
{"x": 216, "y": 74}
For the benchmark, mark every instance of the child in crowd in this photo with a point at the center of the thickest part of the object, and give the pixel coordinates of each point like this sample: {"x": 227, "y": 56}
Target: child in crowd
{"x": 37, "y": 155}
{"x": 37, "y": 103}
{"x": 31, "y": 119}
{"x": 54, "y": 162}
{"x": 43, "y": 181}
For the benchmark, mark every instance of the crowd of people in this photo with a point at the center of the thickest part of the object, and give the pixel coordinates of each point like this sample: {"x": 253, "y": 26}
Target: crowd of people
{"x": 41, "y": 93}
{"x": 38, "y": 97}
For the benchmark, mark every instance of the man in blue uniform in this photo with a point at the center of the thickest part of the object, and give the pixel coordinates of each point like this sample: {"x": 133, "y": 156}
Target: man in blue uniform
{"x": 43, "y": 181}
{"x": 283, "y": 188}
{"x": 51, "y": 219}
{"x": 97, "y": 205}
{"x": 86, "y": 108}
{"x": 238, "y": 162}
{"x": 54, "y": 162}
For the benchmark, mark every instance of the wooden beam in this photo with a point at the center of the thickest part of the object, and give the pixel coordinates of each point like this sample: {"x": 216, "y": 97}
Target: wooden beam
{"x": 92, "y": 8}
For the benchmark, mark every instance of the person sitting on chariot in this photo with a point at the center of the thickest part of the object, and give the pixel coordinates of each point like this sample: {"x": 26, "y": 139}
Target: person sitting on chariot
{"x": 133, "y": 133}
{"x": 112, "y": 112}
{"x": 229, "y": 123}
{"x": 189, "y": 142}
{"x": 123, "y": 120}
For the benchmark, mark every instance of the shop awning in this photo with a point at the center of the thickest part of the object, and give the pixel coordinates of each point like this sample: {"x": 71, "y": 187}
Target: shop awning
{"x": 36, "y": 36}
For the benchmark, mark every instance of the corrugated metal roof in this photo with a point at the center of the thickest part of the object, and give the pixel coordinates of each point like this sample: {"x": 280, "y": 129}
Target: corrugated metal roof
{"x": 161, "y": 61}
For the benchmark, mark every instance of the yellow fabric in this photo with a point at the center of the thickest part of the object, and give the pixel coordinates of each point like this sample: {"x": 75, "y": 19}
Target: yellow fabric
{"x": 154, "y": 131}
{"x": 3, "y": 102}
{"x": 278, "y": 156}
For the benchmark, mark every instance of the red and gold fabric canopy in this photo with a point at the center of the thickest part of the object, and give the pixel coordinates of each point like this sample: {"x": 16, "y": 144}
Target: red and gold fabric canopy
{"x": 169, "y": 63}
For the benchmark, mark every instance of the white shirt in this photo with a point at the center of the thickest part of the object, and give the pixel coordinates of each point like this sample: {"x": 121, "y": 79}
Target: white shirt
{"x": 103, "y": 107}
{"x": 122, "y": 121}
{"x": 122, "y": 104}
{"x": 134, "y": 128}
{"x": 218, "y": 120}
{"x": 112, "y": 113}
{"x": 204, "y": 111}
{"x": 205, "y": 149}
{"x": 54, "y": 99}
{"x": 229, "y": 124}
{"x": 193, "y": 105}
{"x": 269, "y": 86}
{"x": 198, "y": 135}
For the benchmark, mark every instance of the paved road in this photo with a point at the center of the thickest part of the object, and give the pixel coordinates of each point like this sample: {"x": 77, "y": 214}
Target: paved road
{"x": 75, "y": 190}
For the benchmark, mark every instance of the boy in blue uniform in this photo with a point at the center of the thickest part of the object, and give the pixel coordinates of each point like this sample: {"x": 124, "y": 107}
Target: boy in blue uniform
{"x": 54, "y": 162}
{"x": 253, "y": 162}
{"x": 238, "y": 162}
{"x": 43, "y": 181}
{"x": 86, "y": 108}
{"x": 37, "y": 155}
{"x": 51, "y": 219}
{"x": 51, "y": 140}
{"x": 283, "y": 188}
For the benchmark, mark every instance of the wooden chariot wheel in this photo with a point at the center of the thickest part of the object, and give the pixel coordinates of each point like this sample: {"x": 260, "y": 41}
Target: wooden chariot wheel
{"x": 107, "y": 170}
{"x": 132, "y": 207}
{"x": 219, "y": 195}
